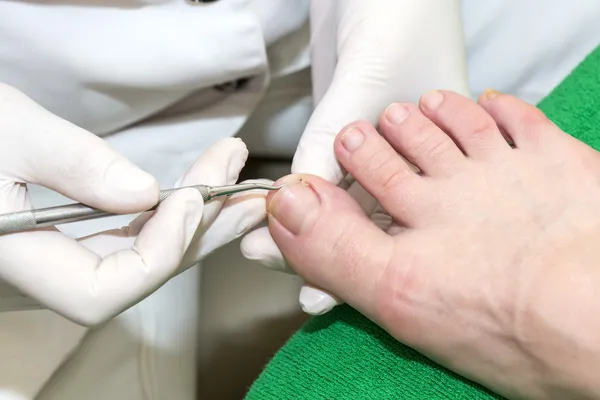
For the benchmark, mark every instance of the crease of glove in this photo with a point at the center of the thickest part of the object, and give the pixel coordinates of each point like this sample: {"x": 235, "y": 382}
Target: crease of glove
{"x": 366, "y": 55}
{"x": 93, "y": 279}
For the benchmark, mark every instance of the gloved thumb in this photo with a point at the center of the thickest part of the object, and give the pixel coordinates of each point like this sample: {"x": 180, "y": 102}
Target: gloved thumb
{"x": 378, "y": 62}
{"x": 344, "y": 102}
{"x": 44, "y": 149}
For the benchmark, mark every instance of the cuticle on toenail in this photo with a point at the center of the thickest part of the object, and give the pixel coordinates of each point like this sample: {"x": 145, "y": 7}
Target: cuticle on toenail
{"x": 431, "y": 100}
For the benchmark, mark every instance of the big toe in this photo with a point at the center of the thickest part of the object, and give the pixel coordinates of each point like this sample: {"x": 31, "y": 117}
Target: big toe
{"x": 323, "y": 233}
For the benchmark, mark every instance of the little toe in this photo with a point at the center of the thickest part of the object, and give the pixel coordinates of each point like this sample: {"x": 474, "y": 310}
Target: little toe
{"x": 471, "y": 127}
{"x": 419, "y": 140}
{"x": 372, "y": 161}
{"x": 522, "y": 122}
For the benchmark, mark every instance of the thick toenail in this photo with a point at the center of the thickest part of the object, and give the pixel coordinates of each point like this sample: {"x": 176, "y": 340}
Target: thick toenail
{"x": 490, "y": 94}
{"x": 431, "y": 100}
{"x": 352, "y": 139}
{"x": 396, "y": 113}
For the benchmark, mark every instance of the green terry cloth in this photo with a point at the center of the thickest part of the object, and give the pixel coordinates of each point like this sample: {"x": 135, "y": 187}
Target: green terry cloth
{"x": 342, "y": 355}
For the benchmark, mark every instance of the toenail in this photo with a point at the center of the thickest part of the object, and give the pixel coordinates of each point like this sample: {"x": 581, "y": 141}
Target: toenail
{"x": 396, "y": 113}
{"x": 352, "y": 139}
{"x": 431, "y": 100}
{"x": 490, "y": 94}
{"x": 295, "y": 206}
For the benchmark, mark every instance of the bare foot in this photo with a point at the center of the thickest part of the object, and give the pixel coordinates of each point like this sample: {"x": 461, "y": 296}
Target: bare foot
{"x": 495, "y": 272}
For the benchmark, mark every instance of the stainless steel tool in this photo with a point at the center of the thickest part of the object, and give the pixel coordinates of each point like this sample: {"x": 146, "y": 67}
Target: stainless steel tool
{"x": 31, "y": 219}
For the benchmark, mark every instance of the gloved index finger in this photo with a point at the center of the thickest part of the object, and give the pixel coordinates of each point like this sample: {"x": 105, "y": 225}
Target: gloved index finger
{"x": 81, "y": 285}
{"x": 44, "y": 149}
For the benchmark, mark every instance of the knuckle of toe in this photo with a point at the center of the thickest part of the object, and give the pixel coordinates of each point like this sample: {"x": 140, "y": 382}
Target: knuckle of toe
{"x": 483, "y": 129}
{"x": 429, "y": 144}
{"x": 419, "y": 141}
{"x": 434, "y": 147}
{"x": 391, "y": 177}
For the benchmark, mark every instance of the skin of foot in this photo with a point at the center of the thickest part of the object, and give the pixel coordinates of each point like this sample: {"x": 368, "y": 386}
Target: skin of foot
{"x": 492, "y": 265}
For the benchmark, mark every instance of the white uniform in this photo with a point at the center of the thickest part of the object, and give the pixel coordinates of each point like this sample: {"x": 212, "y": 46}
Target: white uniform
{"x": 163, "y": 79}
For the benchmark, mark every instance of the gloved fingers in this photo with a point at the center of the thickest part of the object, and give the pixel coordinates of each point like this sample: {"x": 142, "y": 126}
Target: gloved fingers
{"x": 76, "y": 282}
{"x": 135, "y": 227}
{"x": 108, "y": 242}
{"x": 240, "y": 213}
{"x": 203, "y": 171}
{"x": 13, "y": 197}
{"x": 316, "y": 301}
{"x": 219, "y": 165}
{"x": 113, "y": 240}
{"x": 46, "y": 150}
{"x": 323, "y": 29}
{"x": 351, "y": 96}
{"x": 324, "y": 60}
{"x": 258, "y": 245}
{"x": 253, "y": 203}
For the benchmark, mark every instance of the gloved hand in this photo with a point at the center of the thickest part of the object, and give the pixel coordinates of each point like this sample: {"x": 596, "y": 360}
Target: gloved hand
{"x": 93, "y": 279}
{"x": 366, "y": 55}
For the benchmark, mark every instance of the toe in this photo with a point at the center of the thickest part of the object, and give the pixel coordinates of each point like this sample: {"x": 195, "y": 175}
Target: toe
{"x": 372, "y": 161}
{"x": 317, "y": 224}
{"x": 522, "y": 122}
{"x": 419, "y": 140}
{"x": 471, "y": 127}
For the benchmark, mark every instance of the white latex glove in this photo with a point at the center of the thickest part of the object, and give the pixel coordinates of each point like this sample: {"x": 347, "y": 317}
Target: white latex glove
{"x": 93, "y": 279}
{"x": 366, "y": 55}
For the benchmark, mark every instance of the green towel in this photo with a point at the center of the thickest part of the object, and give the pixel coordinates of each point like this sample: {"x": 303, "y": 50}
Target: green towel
{"x": 342, "y": 355}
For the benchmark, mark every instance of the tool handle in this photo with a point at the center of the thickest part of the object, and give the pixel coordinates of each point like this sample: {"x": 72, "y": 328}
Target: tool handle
{"x": 17, "y": 221}
{"x": 50, "y": 216}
